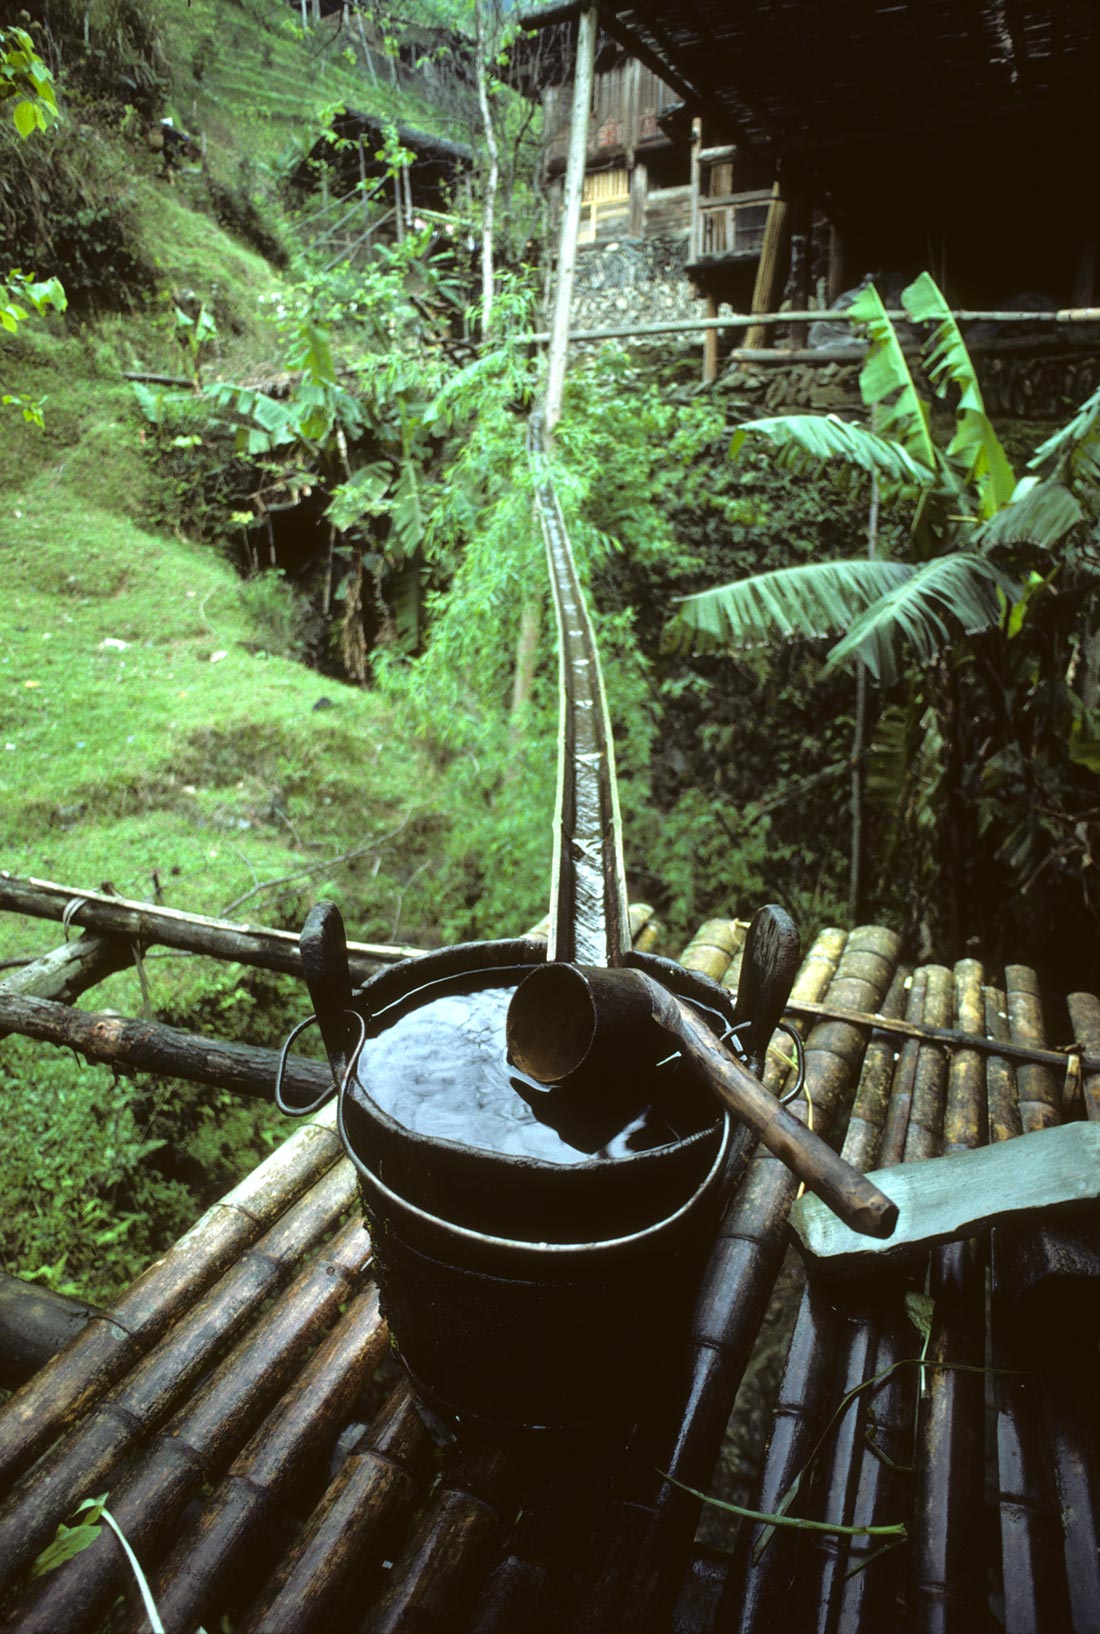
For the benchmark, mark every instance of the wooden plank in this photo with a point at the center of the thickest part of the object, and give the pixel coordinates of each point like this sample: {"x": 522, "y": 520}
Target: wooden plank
{"x": 948, "y": 1198}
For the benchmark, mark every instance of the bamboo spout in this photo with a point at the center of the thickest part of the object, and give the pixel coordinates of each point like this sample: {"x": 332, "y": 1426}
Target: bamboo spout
{"x": 569, "y": 1024}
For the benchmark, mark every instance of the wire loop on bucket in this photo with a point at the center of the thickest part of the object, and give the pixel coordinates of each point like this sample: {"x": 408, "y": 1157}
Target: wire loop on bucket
{"x": 326, "y": 1096}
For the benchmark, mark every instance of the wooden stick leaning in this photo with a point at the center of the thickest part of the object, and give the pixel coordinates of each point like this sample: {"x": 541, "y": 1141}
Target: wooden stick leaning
{"x": 851, "y": 1196}
{"x": 567, "y": 1020}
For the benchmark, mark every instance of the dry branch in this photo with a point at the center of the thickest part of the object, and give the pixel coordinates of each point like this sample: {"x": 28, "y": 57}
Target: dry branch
{"x": 147, "y": 924}
{"x": 149, "y": 1046}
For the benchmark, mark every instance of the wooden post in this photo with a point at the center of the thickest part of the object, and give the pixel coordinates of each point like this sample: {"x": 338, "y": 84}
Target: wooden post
{"x": 696, "y": 177}
{"x": 799, "y": 279}
{"x": 835, "y": 285}
{"x": 571, "y": 212}
{"x": 710, "y": 342}
{"x": 769, "y": 272}
{"x": 639, "y": 191}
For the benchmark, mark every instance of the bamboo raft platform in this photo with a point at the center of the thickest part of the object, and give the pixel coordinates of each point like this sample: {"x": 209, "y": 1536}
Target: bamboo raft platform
{"x": 265, "y": 1461}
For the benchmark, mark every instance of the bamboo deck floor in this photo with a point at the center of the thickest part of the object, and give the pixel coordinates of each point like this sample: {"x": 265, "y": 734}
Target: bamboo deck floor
{"x": 241, "y": 1407}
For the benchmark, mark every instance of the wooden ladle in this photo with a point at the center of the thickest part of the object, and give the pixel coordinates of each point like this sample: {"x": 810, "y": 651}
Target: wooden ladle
{"x": 573, "y": 1026}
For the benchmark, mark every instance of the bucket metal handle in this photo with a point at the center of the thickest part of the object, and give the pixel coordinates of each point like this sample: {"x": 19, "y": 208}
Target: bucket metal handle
{"x": 321, "y": 1100}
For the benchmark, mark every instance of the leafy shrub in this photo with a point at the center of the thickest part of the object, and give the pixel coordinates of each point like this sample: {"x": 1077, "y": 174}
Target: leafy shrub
{"x": 282, "y": 618}
{"x": 64, "y": 209}
{"x": 109, "y": 53}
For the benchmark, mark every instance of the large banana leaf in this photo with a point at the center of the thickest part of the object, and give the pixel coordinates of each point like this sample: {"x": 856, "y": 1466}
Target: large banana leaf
{"x": 886, "y": 384}
{"x": 807, "y": 438}
{"x": 1041, "y": 513}
{"x": 814, "y": 600}
{"x": 1076, "y": 448}
{"x": 924, "y": 612}
{"x": 975, "y": 448}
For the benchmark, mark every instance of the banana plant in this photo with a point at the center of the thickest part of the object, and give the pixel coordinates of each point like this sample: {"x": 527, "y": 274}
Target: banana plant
{"x": 986, "y": 551}
{"x": 879, "y": 609}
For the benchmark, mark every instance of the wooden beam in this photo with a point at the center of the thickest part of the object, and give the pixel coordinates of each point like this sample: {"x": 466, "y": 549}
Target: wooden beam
{"x": 696, "y": 242}
{"x": 946, "y": 1198}
{"x": 148, "y": 924}
{"x": 35, "y": 1324}
{"x": 149, "y": 1046}
{"x": 639, "y": 192}
{"x": 71, "y": 969}
{"x": 584, "y": 74}
{"x": 769, "y": 273}
{"x": 710, "y": 342}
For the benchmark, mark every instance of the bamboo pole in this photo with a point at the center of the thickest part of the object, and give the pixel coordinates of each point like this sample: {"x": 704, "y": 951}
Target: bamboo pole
{"x": 1032, "y": 1573}
{"x": 1068, "y": 1417}
{"x": 1002, "y": 1105}
{"x": 56, "y": 1396}
{"x": 364, "y": 1510}
{"x": 756, "y": 1588}
{"x": 1038, "y": 1088}
{"x": 1084, "y": 1014}
{"x": 849, "y": 1485}
{"x": 714, "y": 946}
{"x": 198, "y": 1442}
{"x": 435, "y": 1577}
{"x": 946, "y": 1571}
{"x": 149, "y": 924}
{"x": 647, "y": 1534}
{"x": 292, "y": 1440}
{"x": 818, "y": 314}
{"x": 924, "y": 1131}
{"x": 149, "y": 1046}
{"x": 583, "y": 76}
{"x": 35, "y": 1324}
{"x": 91, "y": 1451}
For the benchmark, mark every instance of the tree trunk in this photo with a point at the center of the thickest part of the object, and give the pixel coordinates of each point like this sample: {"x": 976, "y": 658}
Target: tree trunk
{"x": 859, "y": 734}
{"x": 493, "y": 176}
{"x": 149, "y": 1046}
{"x": 571, "y": 213}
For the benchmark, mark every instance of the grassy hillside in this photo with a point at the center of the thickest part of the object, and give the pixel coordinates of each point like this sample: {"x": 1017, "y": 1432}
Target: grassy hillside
{"x": 194, "y": 750}
{"x": 156, "y": 729}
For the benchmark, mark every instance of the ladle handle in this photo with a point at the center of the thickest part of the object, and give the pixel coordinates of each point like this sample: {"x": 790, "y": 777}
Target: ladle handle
{"x": 851, "y": 1196}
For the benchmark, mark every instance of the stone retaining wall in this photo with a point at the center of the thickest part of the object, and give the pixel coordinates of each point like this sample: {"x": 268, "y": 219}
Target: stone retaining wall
{"x": 1027, "y": 388}
{"x": 634, "y": 281}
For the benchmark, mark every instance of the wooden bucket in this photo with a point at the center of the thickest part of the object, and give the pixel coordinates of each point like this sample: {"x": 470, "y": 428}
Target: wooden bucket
{"x": 525, "y": 1292}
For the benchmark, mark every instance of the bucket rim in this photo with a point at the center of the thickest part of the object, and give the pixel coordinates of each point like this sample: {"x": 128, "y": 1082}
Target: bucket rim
{"x": 524, "y": 1246}
{"x": 505, "y": 956}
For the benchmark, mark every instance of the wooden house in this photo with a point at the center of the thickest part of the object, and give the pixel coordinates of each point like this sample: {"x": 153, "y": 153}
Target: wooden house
{"x": 650, "y": 173}
{"x": 896, "y": 136}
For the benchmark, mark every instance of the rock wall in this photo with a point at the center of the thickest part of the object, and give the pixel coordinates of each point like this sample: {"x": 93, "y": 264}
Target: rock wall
{"x": 633, "y": 281}
{"x": 1026, "y": 388}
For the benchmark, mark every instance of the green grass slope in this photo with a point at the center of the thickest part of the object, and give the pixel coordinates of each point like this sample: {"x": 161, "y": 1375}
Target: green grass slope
{"x": 153, "y": 732}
